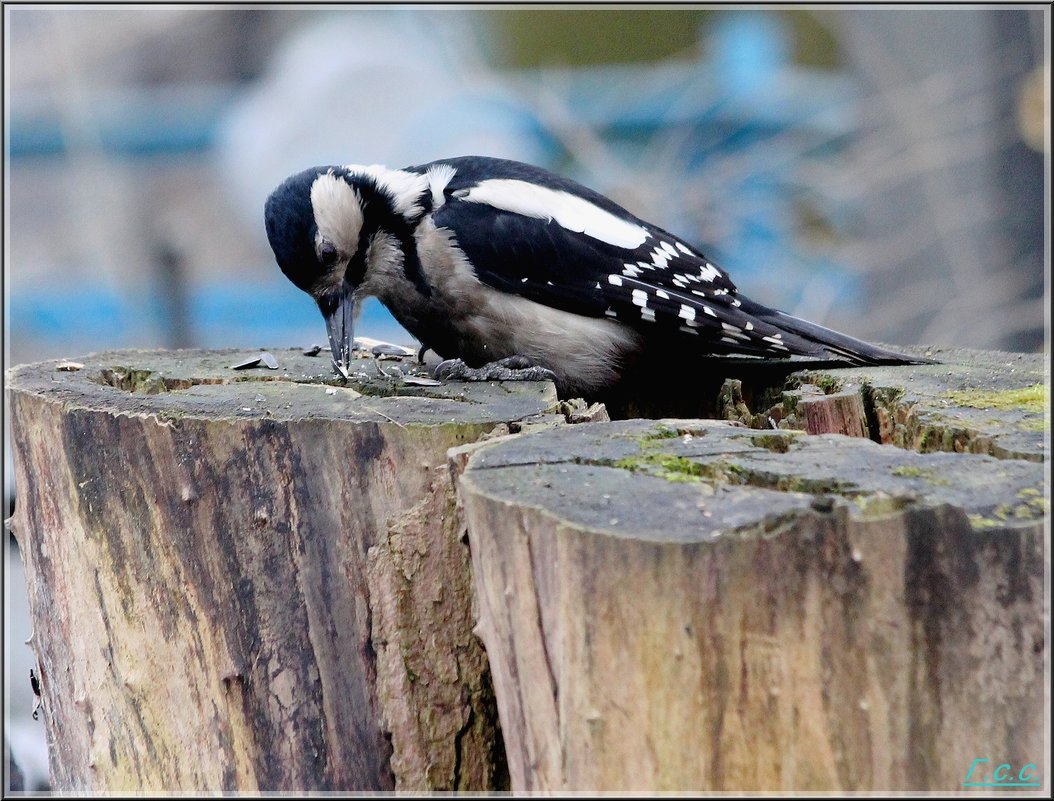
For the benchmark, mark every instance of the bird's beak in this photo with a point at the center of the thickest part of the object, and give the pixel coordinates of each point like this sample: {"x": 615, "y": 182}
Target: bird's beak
{"x": 340, "y": 324}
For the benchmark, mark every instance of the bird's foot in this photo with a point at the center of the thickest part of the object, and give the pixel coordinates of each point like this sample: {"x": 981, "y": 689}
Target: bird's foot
{"x": 511, "y": 368}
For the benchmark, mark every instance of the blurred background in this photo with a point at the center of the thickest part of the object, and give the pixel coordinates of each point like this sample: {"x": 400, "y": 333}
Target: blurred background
{"x": 878, "y": 171}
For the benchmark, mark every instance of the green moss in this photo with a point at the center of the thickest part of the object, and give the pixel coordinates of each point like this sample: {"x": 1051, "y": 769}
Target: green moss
{"x": 777, "y": 443}
{"x": 925, "y": 473}
{"x": 1033, "y": 508}
{"x": 880, "y": 505}
{"x": 130, "y": 379}
{"x": 1033, "y": 424}
{"x": 811, "y": 486}
{"x": 1033, "y": 398}
{"x": 368, "y": 389}
{"x": 661, "y": 431}
{"x": 982, "y": 523}
{"x": 730, "y": 402}
{"x": 827, "y": 382}
{"x": 770, "y": 397}
{"x": 1033, "y": 501}
{"x": 670, "y": 468}
{"x": 907, "y": 470}
{"x": 884, "y": 396}
{"x": 144, "y": 381}
{"x": 1006, "y": 513}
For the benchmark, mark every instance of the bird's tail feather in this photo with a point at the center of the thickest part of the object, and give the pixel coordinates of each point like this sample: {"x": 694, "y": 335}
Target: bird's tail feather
{"x": 811, "y": 339}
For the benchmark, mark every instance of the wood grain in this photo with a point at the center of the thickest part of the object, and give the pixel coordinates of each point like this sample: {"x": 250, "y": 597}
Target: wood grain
{"x": 197, "y": 553}
{"x": 696, "y": 606}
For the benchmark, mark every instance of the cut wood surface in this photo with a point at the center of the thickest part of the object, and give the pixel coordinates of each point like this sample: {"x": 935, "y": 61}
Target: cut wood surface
{"x": 700, "y": 606}
{"x": 973, "y": 401}
{"x": 259, "y": 579}
{"x": 217, "y": 562}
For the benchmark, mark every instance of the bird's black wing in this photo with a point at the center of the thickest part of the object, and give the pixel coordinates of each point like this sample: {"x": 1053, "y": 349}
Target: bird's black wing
{"x": 662, "y": 285}
{"x": 548, "y": 239}
{"x": 534, "y": 258}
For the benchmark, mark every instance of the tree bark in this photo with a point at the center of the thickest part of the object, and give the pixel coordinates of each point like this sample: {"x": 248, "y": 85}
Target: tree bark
{"x": 259, "y": 580}
{"x": 214, "y": 584}
{"x": 698, "y": 606}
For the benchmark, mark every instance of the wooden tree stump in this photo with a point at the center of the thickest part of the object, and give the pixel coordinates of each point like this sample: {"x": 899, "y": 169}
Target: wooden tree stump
{"x": 974, "y": 401}
{"x": 218, "y": 563}
{"x": 258, "y": 580}
{"x": 700, "y": 606}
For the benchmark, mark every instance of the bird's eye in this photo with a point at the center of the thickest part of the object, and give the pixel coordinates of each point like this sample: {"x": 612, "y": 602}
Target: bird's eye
{"x": 327, "y": 253}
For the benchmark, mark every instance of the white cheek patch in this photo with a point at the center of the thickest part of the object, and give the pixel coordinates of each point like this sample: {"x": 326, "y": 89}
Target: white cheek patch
{"x": 571, "y": 212}
{"x": 337, "y": 211}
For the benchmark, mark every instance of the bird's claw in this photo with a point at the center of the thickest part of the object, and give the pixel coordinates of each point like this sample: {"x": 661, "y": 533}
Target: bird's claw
{"x": 512, "y": 368}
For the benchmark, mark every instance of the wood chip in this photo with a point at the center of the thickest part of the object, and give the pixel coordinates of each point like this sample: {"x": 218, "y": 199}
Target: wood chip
{"x": 596, "y": 413}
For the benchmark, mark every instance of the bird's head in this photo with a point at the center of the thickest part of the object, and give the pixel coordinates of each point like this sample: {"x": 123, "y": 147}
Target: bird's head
{"x": 314, "y": 222}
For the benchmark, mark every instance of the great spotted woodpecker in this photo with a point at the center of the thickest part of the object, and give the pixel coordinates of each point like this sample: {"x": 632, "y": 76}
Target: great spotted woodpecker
{"x": 488, "y": 261}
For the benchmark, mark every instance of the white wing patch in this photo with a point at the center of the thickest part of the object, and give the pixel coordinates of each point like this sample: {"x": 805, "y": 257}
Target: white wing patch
{"x": 709, "y": 273}
{"x": 405, "y": 188}
{"x": 571, "y": 212}
{"x": 660, "y": 258}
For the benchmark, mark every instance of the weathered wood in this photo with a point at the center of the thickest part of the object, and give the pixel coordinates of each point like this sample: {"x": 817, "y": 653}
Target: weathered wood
{"x": 701, "y": 606}
{"x": 251, "y": 580}
{"x": 216, "y": 563}
{"x": 433, "y": 678}
{"x": 971, "y": 402}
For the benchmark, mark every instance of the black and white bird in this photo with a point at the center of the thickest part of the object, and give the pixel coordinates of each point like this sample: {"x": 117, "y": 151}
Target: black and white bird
{"x": 492, "y": 261}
